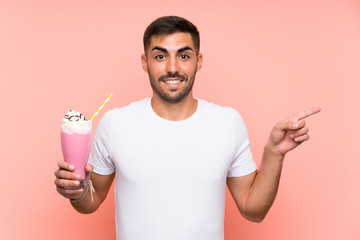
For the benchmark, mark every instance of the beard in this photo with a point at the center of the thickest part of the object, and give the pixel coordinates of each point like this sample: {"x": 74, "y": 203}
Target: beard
{"x": 176, "y": 95}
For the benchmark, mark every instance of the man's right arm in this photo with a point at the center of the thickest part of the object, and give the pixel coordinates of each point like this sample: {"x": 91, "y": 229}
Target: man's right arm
{"x": 65, "y": 178}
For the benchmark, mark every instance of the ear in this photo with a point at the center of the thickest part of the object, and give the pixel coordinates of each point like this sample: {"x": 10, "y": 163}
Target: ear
{"x": 199, "y": 62}
{"x": 144, "y": 62}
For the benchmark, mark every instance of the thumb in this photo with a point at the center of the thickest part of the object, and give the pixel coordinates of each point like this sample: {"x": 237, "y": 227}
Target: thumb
{"x": 89, "y": 168}
{"x": 286, "y": 125}
{"x": 280, "y": 130}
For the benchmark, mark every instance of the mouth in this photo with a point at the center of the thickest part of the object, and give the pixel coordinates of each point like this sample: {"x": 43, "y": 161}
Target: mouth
{"x": 173, "y": 81}
{"x": 172, "y": 84}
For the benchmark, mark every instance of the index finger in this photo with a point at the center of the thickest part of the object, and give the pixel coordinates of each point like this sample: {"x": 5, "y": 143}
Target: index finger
{"x": 66, "y": 166}
{"x": 308, "y": 113}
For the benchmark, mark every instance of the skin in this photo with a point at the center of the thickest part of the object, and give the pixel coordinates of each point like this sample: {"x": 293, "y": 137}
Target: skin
{"x": 255, "y": 193}
{"x": 173, "y": 57}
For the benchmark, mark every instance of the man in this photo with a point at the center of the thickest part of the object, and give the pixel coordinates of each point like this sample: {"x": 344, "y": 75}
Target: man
{"x": 172, "y": 155}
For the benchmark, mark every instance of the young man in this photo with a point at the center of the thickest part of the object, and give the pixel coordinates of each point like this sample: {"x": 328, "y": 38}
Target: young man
{"x": 172, "y": 155}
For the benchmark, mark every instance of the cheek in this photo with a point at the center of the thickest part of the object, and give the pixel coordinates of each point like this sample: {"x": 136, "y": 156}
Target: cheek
{"x": 154, "y": 73}
{"x": 190, "y": 66}
{"x": 156, "y": 68}
{"x": 189, "y": 70}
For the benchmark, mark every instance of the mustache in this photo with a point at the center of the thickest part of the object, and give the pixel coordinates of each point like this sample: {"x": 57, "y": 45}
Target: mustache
{"x": 176, "y": 75}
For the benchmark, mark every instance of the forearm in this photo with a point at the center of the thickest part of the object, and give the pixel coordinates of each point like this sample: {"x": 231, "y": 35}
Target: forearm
{"x": 265, "y": 186}
{"x": 260, "y": 194}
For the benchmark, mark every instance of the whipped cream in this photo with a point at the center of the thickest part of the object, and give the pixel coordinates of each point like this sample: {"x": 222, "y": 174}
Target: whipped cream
{"x": 75, "y": 122}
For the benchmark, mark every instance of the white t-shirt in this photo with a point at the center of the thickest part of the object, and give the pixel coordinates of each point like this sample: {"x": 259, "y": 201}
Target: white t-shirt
{"x": 170, "y": 176}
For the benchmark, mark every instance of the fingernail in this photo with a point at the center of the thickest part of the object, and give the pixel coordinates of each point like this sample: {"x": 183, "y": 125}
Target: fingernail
{"x": 77, "y": 183}
{"x": 78, "y": 176}
{"x": 71, "y": 167}
{"x": 295, "y": 125}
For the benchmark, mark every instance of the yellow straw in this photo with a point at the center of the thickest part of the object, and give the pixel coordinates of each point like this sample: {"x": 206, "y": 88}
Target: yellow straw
{"x": 101, "y": 107}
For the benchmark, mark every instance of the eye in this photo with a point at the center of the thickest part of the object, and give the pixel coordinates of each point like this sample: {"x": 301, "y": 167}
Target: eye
{"x": 184, "y": 56}
{"x": 159, "y": 57}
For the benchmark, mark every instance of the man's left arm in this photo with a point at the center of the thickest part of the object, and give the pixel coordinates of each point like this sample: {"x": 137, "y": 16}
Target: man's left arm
{"x": 255, "y": 193}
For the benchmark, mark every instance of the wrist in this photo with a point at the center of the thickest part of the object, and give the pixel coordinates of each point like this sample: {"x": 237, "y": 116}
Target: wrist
{"x": 273, "y": 152}
{"x": 81, "y": 197}
{"x": 92, "y": 191}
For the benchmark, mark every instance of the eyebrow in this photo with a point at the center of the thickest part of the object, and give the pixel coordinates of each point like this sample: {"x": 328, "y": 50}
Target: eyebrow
{"x": 166, "y": 51}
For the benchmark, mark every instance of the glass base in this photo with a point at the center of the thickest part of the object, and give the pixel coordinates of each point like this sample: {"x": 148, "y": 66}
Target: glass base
{"x": 83, "y": 184}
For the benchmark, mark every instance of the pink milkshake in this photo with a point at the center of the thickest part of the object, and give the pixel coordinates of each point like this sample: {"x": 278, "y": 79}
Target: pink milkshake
{"x": 76, "y": 142}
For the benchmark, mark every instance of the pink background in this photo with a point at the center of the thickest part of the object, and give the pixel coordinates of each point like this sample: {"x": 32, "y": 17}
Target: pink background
{"x": 267, "y": 59}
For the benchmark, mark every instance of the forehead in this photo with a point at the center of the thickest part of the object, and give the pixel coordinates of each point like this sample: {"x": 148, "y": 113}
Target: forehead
{"x": 172, "y": 41}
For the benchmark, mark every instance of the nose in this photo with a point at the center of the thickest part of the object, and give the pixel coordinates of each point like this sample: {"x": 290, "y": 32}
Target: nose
{"x": 172, "y": 66}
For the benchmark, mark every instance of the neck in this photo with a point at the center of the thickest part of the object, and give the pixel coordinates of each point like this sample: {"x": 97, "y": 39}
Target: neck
{"x": 174, "y": 111}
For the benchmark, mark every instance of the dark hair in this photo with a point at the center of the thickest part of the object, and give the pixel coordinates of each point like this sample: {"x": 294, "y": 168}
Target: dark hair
{"x": 169, "y": 25}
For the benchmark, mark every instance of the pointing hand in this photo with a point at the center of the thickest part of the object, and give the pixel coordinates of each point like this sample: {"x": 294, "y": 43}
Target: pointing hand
{"x": 290, "y": 133}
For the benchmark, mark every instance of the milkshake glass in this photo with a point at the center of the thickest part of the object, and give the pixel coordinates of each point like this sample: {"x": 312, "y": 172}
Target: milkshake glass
{"x": 76, "y": 134}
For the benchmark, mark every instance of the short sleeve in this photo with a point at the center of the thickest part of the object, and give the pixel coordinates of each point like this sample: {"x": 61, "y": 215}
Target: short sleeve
{"x": 243, "y": 163}
{"x": 100, "y": 155}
